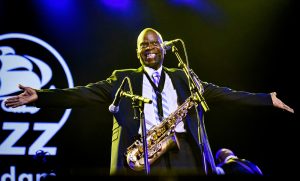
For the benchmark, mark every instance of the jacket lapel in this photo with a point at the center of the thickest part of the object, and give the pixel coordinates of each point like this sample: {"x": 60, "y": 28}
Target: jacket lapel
{"x": 137, "y": 81}
{"x": 178, "y": 84}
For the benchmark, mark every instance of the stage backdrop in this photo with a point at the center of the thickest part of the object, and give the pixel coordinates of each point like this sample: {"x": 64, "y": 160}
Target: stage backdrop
{"x": 246, "y": 45}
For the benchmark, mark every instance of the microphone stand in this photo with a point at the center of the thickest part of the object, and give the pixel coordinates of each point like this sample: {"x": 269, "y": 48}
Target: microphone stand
{"x": 197, "y": 89}
{"x": 138, "y": 106}
{"x": 195, "y": 85}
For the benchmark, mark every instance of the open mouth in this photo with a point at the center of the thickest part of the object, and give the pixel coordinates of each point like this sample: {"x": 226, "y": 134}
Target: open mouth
{"x": 150, "y": 55}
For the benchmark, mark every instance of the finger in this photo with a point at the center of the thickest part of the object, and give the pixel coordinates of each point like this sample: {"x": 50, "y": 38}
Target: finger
{"x": 288, "y": 109}
{"x": 22, "y": 87}
{"x": 17, "y": 105}
{"x": 274, "y": 94}
{"x": 12, "y": 104}
{"x": 14, "y": 98}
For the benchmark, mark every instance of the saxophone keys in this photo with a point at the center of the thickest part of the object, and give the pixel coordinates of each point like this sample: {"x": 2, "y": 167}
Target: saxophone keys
{"x": 140, "y": 148}
{"x": 158, "y": 132}
{"x": 154, "y": 136}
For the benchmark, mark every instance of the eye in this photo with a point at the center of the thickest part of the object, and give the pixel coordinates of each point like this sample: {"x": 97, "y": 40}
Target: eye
{"x": 155, "y": 43}
{"x": 143, "y": 45}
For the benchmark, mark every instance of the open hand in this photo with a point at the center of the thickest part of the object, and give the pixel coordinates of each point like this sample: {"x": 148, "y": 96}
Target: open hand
{"x": 279, "y": 104}
{"x": 29, "y": 95}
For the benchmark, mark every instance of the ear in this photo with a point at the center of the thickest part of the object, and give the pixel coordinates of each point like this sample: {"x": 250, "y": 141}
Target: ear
{"x": 137, "y": 53}
{"x": 164, "y": 51}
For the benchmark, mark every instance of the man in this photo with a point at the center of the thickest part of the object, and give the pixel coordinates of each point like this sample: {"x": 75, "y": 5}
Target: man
{"x": 173, "y": 88}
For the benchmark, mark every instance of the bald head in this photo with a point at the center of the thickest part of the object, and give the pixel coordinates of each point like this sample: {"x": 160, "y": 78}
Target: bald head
{"x": 149, "y": 48}
{"x": 223, "y": 153}
{"x": 144, "y": 31}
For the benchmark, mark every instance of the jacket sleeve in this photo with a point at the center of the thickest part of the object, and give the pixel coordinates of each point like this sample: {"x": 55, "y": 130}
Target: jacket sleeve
{"x": 213, "y": 93}
{"x": 79, "y": 96}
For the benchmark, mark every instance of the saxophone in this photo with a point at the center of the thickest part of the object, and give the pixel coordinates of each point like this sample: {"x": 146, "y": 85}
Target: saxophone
{"x": 160, "y": 138}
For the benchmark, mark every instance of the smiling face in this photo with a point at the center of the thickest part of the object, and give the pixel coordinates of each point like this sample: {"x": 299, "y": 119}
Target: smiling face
{"x": 149, "y": 49}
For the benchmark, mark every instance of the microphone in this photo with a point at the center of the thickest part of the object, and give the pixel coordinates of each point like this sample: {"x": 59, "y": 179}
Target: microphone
{"x": 114, "y": 107}
{"x": 167, "y": 45}
{"x": 136, "y": 97}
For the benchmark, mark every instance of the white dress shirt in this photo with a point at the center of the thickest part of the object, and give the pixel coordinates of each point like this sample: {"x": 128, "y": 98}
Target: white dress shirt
{"x": 171, "y": 97}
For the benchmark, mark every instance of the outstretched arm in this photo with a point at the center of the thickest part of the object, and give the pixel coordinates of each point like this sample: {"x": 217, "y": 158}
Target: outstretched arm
{"x": 279, "y": 104}
{"x": 216, "y": 93}
{"x": 28, "y": 96}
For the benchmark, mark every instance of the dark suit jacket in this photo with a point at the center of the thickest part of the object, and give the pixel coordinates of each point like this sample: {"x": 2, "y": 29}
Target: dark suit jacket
{"x": 124, "y": 128}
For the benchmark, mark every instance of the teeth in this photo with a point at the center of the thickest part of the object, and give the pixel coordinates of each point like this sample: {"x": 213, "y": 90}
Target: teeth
{"x": 150, "y": 55}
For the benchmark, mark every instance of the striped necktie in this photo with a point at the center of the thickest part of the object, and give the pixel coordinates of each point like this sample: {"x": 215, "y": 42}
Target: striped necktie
{"x": 160, "y": 103}
{"x": 156, "y": 77}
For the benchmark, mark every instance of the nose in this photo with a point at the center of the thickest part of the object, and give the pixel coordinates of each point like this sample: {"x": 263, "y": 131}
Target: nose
{"x": 150, "y": 46}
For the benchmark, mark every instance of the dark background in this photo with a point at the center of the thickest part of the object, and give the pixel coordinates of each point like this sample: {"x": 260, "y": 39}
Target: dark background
{"x": 247, "y": 45}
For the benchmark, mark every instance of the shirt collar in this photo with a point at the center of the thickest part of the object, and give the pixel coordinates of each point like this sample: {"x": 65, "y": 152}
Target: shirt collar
{"x": 151, "y": 70}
